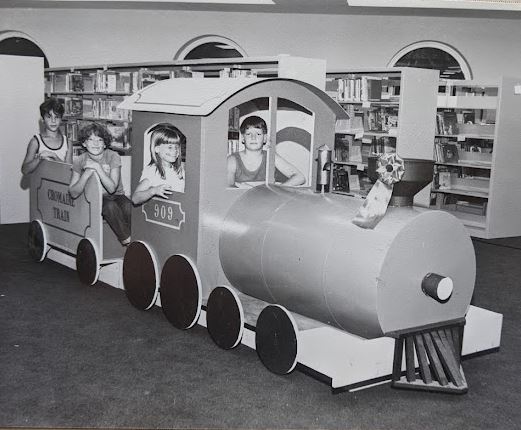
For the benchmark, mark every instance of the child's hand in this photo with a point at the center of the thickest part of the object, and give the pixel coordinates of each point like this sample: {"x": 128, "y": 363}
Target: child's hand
{"x": 89, "y": 164}
{"x": 163, "y": 190}
{"x": 87, "y": 173}
{"x": 48, "y": 155}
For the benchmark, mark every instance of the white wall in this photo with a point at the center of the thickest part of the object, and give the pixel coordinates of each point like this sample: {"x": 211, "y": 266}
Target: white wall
{"x": 21, "y": 92}
{"x": 492, "y": 47}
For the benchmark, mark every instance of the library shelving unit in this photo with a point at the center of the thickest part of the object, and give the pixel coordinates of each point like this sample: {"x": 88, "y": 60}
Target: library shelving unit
{"x": 92, "y": 93}
{"x": 477, "y": 148}
{"x": 391, "y": 110}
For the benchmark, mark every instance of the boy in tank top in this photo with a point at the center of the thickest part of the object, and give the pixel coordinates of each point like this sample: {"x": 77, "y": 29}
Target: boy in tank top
{"x": 51, "y": 144}
{"x": 249, "y": 164}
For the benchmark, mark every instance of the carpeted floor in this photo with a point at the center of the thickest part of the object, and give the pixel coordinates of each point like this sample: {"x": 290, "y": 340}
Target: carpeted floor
{"x": 76, "y": 356}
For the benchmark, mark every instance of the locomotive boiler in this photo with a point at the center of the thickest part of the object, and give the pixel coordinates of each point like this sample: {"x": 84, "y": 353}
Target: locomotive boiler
{"x": 301, "y": 250}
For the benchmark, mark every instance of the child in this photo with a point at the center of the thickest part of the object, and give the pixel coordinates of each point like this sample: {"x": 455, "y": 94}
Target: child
{"x": 249, "y": 165}
{"x": 51, "y": 144}
{"x": 106, "y": 164}
{"x": 165, "y": 172}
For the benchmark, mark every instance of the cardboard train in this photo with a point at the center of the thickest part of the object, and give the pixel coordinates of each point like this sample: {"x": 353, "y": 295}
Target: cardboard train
{"x": 281, "y": 269}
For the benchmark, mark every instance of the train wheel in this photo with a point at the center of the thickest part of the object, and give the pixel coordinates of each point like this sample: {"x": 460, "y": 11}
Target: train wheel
{"x": 181, "y": 292}
{"x": 87, "y": 262}
{"x": 224, "y": 317}
{"x": 37, "y": 240}
{"x": 140, "y": 275}
{"x": 276, "y": 339}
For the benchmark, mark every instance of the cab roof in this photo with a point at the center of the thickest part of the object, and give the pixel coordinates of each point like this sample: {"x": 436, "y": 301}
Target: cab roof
{"x": 201, "y": 96}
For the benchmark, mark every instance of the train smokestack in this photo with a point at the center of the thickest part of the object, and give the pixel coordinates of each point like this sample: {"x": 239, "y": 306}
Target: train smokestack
{"x": 418, "y": 173}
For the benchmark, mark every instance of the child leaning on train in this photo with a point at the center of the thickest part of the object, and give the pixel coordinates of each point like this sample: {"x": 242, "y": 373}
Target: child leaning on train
{"x": 51, "y": 144}
{"x": 249, "y": 164}
{"x": 106, "y": 163}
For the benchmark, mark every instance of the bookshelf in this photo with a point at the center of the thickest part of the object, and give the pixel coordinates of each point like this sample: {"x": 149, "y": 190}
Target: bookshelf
{"x": 476, "y": 146}
{"x": 92, "y": 93}
{"x": 391, "y": 110}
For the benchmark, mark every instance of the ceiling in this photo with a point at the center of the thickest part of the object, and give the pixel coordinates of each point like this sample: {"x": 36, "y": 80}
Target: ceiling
{"x": 464, "y": 8}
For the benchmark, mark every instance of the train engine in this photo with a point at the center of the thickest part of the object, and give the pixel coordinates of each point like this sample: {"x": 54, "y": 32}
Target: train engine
{"x": 279, "y": 260}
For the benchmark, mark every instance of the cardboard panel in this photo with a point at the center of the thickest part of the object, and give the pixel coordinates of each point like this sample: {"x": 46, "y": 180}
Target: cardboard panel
{"x": 65, "y": 219}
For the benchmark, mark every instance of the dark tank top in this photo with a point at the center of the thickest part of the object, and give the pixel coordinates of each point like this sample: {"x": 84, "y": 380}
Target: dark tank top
{"x": 242, "y": 174}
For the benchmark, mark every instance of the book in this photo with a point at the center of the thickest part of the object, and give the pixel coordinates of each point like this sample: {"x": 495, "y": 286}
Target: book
{"x": 471, "y": 208}
{"x": 89, "y": 82}
{"x": 184, "y": 72}
{"x": 233, "y": 146}
{"x": 148, "y": 77}
{"x": 89, "y": 108}
{"x": 234, "y": 118}
{"x": 76, "y": 82}
{"x": 119, "y": 134}
{"x": 342, "y": 144}
{"x": 450, "y": 153}
{"x": 354, "y": 182}
{"x": 124, "y": 82}
{"x": 340, "y": 179}
{"x": 110, "y": 81}
{"x": 49, "y": 82}
{"x": 71, "y": 130}
{"x": 468, "y": 117}
{"x": 444, "y": 180}
{"x": 366, "y": 152}
{"x": 355, "y": 151}
{"x": 82, "y": 124}
{"x": 371, "y": 88}
{"x": 99, "y": 82}
{"x": 73, "y": 107}
{"x": 450, "y": 123}
{"x": 373, "y": 120}
{"x": 60, "y": 83}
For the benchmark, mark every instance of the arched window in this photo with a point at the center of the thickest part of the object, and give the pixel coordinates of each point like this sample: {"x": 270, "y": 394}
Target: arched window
{"x": 17, "y": 43}
{"x": 433, "y": 55}
{"x": 209, "y": 46}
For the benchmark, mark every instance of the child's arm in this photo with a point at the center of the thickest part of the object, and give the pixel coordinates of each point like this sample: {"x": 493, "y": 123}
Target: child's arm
{"x": 68, "y": 154}
{"x": 31, "y": 161}
{"x": 78, "y": 182}
{"x": 294, "y": 175}
{"x": 144, "y": 192}
{"x": 232, "y": 168}
{"x": 110, "y": 182}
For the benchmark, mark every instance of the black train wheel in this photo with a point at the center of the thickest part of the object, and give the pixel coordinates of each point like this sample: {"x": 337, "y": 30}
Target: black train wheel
{"x": 87, "y": 262}
{"x": 224, "y": 317}
{"x": 140, "y": 278}
{"x": 180, "y": 292}
{"x": 276, "y": 339}
{"x": 37, "y": 241}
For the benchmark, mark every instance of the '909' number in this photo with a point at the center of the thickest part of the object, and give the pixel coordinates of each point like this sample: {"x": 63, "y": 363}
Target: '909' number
{"x": 164, "y": 213}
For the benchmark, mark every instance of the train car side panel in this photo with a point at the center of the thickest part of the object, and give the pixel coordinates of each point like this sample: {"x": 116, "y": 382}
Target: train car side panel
{"x": 170, "y": 226}
{"x": 65, "y": 219}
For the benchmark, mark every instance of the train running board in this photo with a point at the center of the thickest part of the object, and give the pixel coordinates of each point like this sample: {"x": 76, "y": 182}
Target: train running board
{"x": 438, "y": 353}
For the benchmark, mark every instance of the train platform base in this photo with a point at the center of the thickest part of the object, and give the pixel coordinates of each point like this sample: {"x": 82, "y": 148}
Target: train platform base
{"x": 343, "y": 361}
{"x": 110, "y": 274}
{"x": 348, "y": 363}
